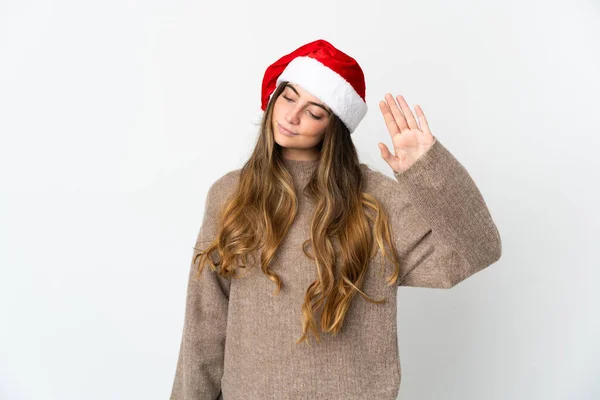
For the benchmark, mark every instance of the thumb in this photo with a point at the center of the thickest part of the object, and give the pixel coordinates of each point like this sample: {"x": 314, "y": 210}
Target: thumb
{"x": 385, "y": 153}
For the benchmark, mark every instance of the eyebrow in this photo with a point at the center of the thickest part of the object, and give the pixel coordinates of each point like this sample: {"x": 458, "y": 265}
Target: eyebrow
{"x": 310, "y": 102}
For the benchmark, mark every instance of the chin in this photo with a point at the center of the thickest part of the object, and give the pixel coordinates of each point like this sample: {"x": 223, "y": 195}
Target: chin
{"x": 282, "y": 140}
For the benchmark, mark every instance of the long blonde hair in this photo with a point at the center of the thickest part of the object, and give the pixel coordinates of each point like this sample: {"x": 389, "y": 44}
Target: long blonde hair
{"x": 257, "y": 216}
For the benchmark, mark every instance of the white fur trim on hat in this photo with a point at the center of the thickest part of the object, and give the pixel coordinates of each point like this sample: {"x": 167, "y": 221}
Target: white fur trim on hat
{"x": 257, "y": 118}
{"x": 329, "y": 87}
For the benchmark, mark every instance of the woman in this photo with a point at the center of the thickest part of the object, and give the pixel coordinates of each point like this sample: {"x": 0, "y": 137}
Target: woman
{"x": 304, "y": 240}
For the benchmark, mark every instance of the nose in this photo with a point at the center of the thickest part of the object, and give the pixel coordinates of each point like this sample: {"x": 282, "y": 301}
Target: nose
{"x": 292, "y": 116}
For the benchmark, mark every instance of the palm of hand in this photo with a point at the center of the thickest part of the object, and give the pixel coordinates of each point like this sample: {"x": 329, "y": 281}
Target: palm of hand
{"x": 410, "y": 140}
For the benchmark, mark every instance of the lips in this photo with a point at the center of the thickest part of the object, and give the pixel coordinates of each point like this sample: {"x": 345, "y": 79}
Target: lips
{"x": 286, "y": 130}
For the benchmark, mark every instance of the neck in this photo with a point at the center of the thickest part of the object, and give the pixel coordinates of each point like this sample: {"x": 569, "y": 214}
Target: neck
{"x": 301, "y": 170}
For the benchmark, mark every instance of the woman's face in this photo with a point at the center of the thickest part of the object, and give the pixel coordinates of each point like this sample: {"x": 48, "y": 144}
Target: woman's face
{"x": 299, "y": 122}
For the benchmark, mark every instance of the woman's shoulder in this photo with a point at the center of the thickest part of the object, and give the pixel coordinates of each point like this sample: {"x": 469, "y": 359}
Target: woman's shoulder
{"x": 385, "y": 188}
{"x": 377, "y": 181}
{"x": 226, "y": 180}
{"x": 223, "y": 185}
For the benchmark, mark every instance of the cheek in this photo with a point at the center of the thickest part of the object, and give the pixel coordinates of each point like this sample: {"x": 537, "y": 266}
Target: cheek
{"x": 277, "y": 113}
{"x": 280, "y": 109}
{"x": 276, "y": 105}
{"x": 275, "y": 108}
{"x": 315, "y": 127}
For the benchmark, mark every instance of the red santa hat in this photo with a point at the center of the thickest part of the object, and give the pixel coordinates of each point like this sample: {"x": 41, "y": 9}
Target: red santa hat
{"x": 327, "y": 73}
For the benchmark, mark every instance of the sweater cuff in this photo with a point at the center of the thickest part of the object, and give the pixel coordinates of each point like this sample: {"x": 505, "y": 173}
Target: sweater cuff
{"x": 424, "y": 168}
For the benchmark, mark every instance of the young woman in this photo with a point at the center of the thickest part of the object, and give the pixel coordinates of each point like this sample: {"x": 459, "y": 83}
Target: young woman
{"x": 304, "y": 240}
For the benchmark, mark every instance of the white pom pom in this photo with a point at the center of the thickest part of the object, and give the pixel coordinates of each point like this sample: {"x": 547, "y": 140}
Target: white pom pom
{"x": 257, "y": 119}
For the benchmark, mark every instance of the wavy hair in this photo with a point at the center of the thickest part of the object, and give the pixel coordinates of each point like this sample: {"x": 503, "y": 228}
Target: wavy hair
{"x": 264, "y": 204}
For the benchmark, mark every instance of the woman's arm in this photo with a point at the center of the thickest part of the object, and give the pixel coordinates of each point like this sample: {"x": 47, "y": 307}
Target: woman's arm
{"x": 442, "y": 228}
{"x": 201, "y": 353}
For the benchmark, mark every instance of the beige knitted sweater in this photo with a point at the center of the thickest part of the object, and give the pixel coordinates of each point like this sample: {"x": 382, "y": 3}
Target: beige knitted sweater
{"x": 239, "y": 338}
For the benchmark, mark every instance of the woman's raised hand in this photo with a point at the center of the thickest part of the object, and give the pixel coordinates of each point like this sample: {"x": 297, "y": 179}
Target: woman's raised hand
{"x": 410, "y": 140}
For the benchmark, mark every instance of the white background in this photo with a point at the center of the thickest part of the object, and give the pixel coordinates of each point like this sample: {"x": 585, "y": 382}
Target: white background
{"x": 116, "y": 116}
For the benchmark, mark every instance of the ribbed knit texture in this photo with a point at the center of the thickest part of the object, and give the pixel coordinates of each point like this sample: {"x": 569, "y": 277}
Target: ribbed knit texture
{"x": 239, "y": 338}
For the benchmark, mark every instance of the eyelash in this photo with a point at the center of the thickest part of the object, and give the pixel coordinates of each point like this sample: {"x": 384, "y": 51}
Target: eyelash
{"x": 311, "y": 114}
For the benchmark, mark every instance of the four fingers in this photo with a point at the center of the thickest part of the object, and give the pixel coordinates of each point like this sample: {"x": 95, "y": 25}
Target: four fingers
{"x": 401, "y": 120}
{"x": 398, "y": 119}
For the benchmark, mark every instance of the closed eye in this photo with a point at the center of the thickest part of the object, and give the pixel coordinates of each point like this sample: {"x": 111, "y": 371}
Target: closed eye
{"x": 311, "y": 114}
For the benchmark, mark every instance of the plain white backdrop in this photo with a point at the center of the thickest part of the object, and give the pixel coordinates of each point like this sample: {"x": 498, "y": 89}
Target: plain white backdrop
{"x": 116, "y": 116}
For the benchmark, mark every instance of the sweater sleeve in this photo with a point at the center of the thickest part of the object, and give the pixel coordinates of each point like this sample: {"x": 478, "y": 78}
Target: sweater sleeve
{"x": 201, "y": 352}
{"x": 442, "y": 227}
